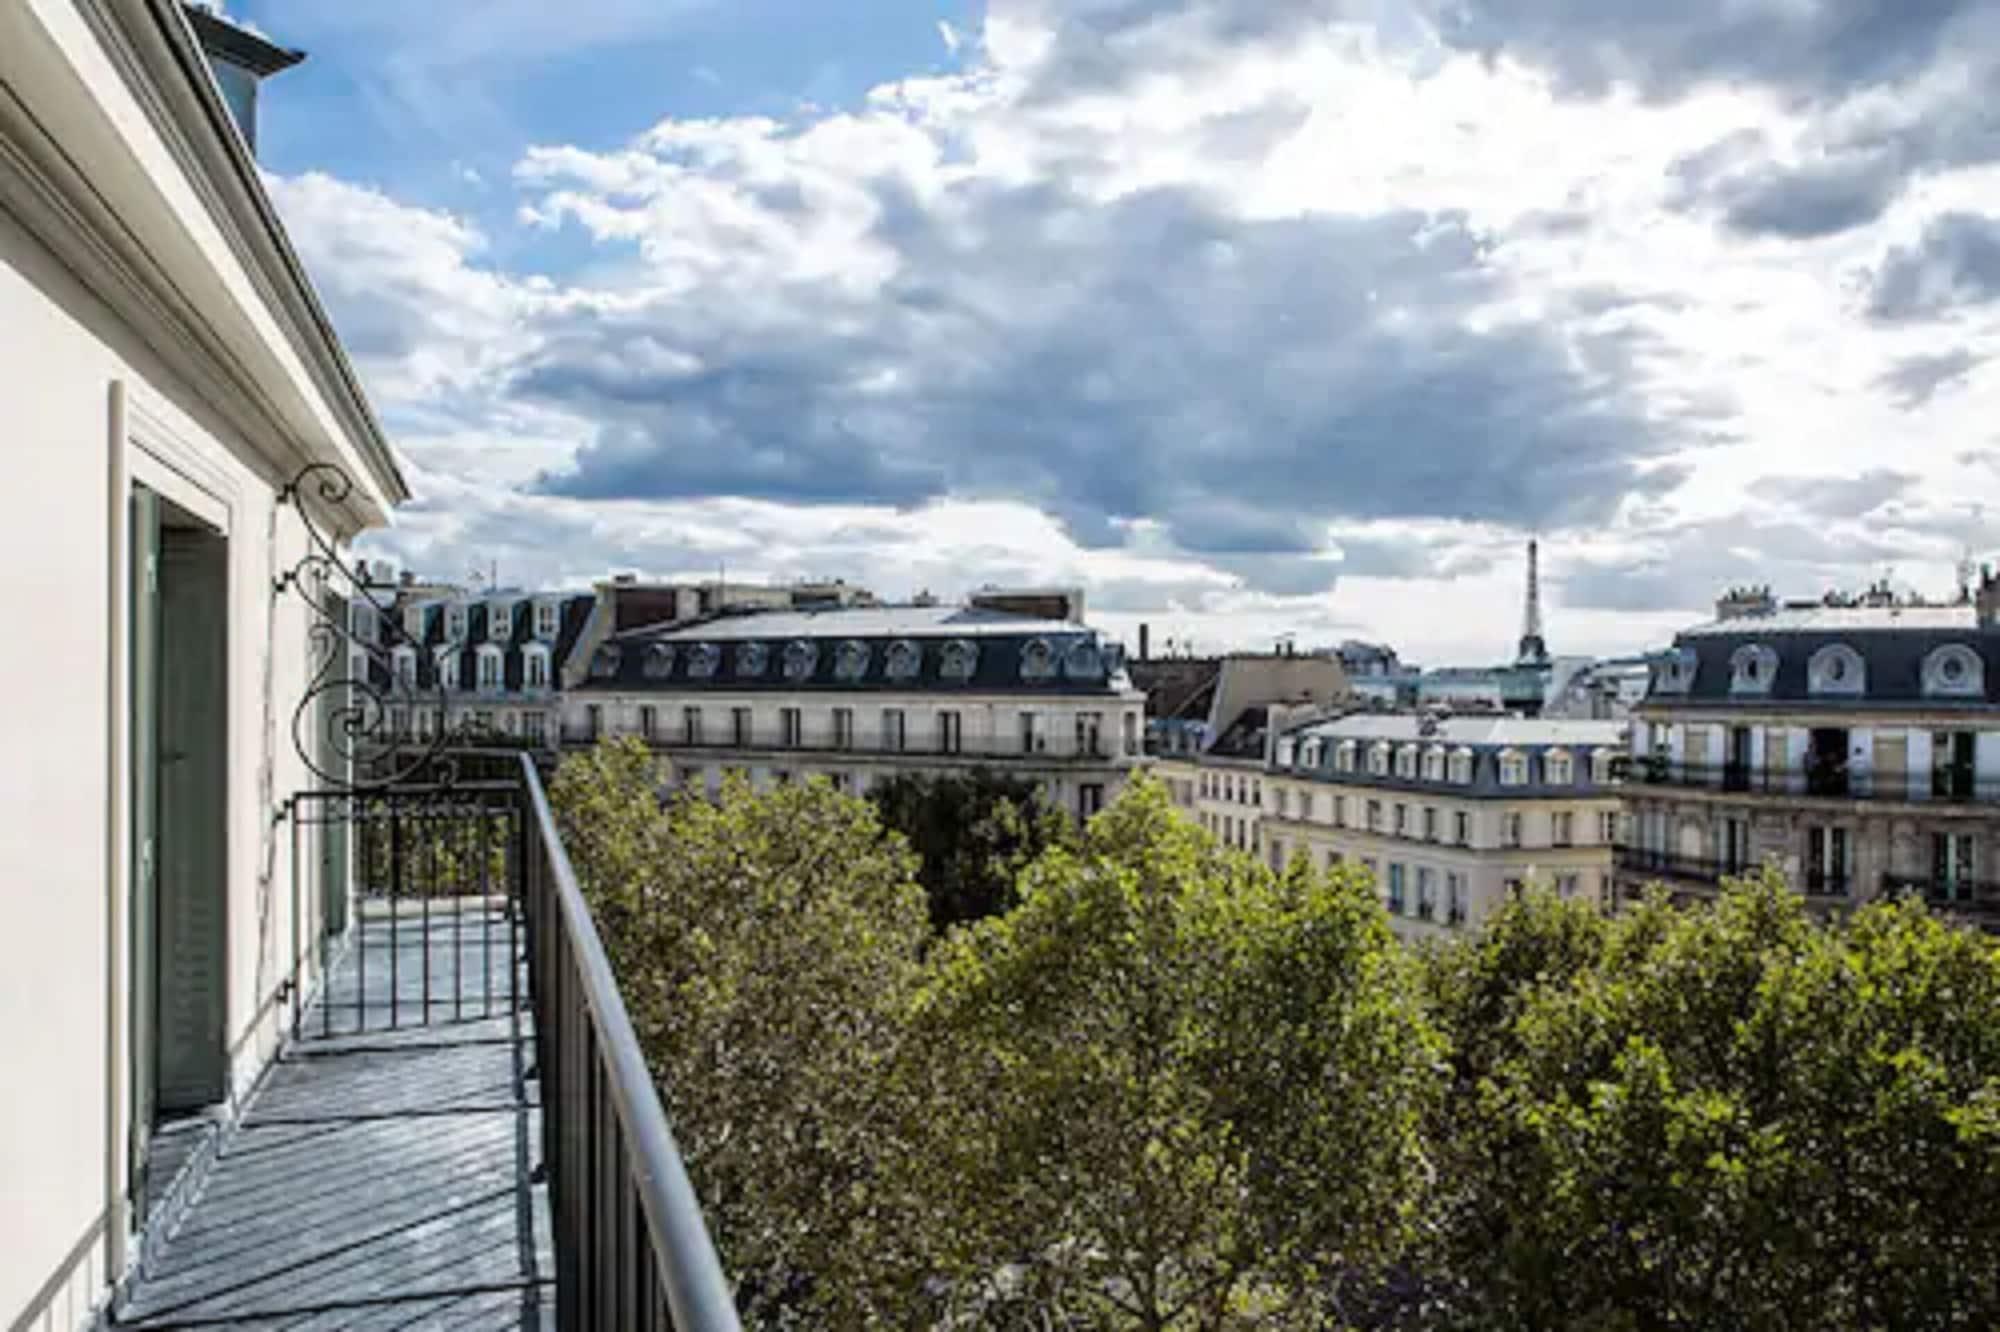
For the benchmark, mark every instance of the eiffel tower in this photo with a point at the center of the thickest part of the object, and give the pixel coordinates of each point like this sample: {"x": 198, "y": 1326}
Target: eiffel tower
{"x": 1533, "y": 651}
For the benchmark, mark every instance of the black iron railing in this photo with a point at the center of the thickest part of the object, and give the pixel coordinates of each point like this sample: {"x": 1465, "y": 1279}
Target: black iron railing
{"x": 632, "y": 1249}
{"x": 1672, "y": 865}
{"x": 1824, "y": 779}
{"x": 1972, "y": 896}
{"x": 775, "y": 749}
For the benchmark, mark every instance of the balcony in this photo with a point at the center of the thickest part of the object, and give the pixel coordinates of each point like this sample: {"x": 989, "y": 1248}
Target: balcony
{"x": 1825, "y": 780}
{"x": 1977, "y": 900}
{"x": 462, "y": 1128}
{"x": 1002, "y": 753}
{"x": 1670, "y": 867}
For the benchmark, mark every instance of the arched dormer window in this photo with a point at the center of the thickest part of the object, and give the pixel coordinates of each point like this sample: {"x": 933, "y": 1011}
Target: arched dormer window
{"x": 850, "y": 660}
{"x": 491, "y": 666}
{"x": 1038, "y": 660}
{"x": 1434, "y": 760}
{"x": 751, "y": 659}
{"x": 703, "y": 661}
{"x": 1603, "y": 765}
{"x": 659, "y": 660}
{"x": 604, "y": 661}
{"x": 547, "y": 619}
{"x": 1287, "y": 751}
{"x": 1752, "y": 667}
{"x": 1513, "y": 768}
{"x": 1673, "y": 671}
{"x": 905, "y": 660}
{"x": 454, "y": 623}
{"x": 1406, "y": 762}
{"x": 1344, "y": 755}
{"x": 499, "y": 621}
{"x": 535, "y": 666}
{"x": 1836, "y": 669}
{"x": 1954, "y": 671}
{"x": 1558, "y": 768}
{"x": 958, "y": 660}
{"x": 1315, "y": 750}
{"x": 801, "y": 659}
{"x": 404, "y": 660}
{"x": 1083, "y": 661}
{"x": 447, "y": 667}
{"x": 1378, "y": 759}
{"x": 1461, "y": 766}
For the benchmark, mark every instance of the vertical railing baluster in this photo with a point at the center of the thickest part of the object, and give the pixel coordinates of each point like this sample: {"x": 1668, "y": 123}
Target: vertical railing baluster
{"x": 434, "y": 821}
{"x": 395, "y": 914}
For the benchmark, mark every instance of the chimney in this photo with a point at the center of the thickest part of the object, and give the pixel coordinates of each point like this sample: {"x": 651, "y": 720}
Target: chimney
{"x": 241, "y": 61}
{"x": 1739, "y": 602}
{"x": 1145, "y": 643}
{"x": 1987, "y": 598}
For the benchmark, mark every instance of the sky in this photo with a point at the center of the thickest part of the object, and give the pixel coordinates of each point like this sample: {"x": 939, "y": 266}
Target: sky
{"x": 1250, "y": 317}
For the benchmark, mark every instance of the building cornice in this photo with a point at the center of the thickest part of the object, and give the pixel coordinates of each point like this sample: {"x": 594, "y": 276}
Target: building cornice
{"x": 89, "y": 90}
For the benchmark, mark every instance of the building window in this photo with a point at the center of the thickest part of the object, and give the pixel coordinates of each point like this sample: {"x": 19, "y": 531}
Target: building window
{"x": 489, "y": 670}
{"x": 893, "y": 733}
{"x": 482, "y": 723}
{"x": 1563, "y": 828}
{"x": 1607, "y": 826}
{"x": 1952, "y": 865}
{"x": 1374, "y": 816}
{"x": 1513, "y": 769}
{"x": 649, "y": 720}
{"x": 499, "y": 623}
{"x": 535, "y": 727}
{"x": 535, "y": 669}
{"x": 1089, "y": 798}
{"x": 948, "y": 732}
{"x": 406, "y": 668}
{"x": 739, "y": 719}
{"x": 1558, "y": 769}
{"x": 1338, "y": 810}
{"x": 1426, "y": 893}
{"x": 545, "y": 620}
{"x": 399, "y": 723}
{"x": 1027, "y": 733}
{"x": 1283, "y": 802}
{"x": 1510, "y": 829}
{"x": 1406, "y": 762}
{"x": 1333, "y": 860}
{"x": 1836, "y": 669}
{"x": 1461, "y": 767}
{"x": 593, "y": 721}
{"x": 1395, "y": 889}
{"x": 1430, "y": 823}
{"x": 454, "y": 624}
{"x": 1827, "y": 861}
{"x": 1378, "y": 759}
{"x": 793, "y": 726}
{"x": 1461, "y": 828}
{"x": 1343, "y": 756}
{"x": 1434, "y": 764}
{"x": 1402, "y": 817}
{"x": 843, "y": 728}
{"x": 1088, "y": 725}
{"x": 1454, "y": 898}
{"x": 1566, "y": 885}
{"x": 691, "y": 726}
{"x": 1951, "y": 765}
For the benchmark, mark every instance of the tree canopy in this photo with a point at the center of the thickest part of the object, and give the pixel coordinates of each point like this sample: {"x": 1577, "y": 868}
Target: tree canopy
{"x": 1165, "y": 1087}
{"x": 973, "y": 834}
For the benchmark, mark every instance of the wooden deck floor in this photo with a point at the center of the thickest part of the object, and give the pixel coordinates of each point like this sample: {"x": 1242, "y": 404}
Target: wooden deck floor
{"x": 383, "y": 1176}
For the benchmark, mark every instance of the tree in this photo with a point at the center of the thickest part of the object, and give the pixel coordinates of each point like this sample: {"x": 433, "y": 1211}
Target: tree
{"x": 1171, "y": 1089}
{"x": 973, "y": 835}
{"x": 1726, "y": 1116}
{"x": 768, "y": 947}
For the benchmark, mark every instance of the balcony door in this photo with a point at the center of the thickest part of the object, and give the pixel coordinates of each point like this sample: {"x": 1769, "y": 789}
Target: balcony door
{"x": 179, "y": 780}
{"x": 1736, "y": 768}
{"x": 1827, "y": 860}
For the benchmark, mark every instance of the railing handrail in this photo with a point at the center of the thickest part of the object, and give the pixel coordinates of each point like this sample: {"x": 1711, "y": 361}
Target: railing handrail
{"x": 697, "y": 1292}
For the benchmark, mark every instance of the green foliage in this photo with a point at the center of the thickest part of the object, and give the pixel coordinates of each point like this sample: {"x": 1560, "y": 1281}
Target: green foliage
{"x": 767, "y": 947}
{"x": 973, "y": 834}
{"x": 1171, "y": 1089}
{"x": 1180, "y": 1092}
{"x": 1726, "y": 1116}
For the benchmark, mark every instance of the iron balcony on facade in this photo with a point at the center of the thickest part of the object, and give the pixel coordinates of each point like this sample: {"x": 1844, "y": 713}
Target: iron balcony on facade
{"x": 1977, "y": 899}
{"x": 1952, "y": 783}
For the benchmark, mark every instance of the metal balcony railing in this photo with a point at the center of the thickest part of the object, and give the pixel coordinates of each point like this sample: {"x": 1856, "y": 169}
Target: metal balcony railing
{"x": 1672, "y": 866}
{"x": 632, "y": 1249}
{"x": 1827, "y": 779}
{"x": 1975, "y": 897}
{"x": 1006, "y": 752}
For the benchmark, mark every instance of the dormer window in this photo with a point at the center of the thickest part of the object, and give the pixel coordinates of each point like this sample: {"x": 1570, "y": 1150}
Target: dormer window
{"x": 499, "y": 623}
{"x": 454, "y": 624}
{"x": 1314, "y": 749}
{"x": 361, "y": 619}
{"x": 604, "y": 662}
{"x": 1038, "y": 660}
{"x": 801, "y": 659}
{"x": 413, "y": 623}
{"x": 1836, "y": 669}
{"x": 958, "y": 660}
{"x": 546, "y": 619}
{"x": 703, "y": 659}
{"x": 1406, "y": 762}
{"x": 1513, "y": 768}
{"x": 905, "y": 659}
{"x": 1602, "y": 765}
{"x": 1673, "y": 672}
{"x": 447, "y": 668}
{"x": 490, "y": 664}
{"x": 405, "y": 663}
{"x": 1752, "y": 668}
{"x": 1954, "y": 671}
{"x": 1434, "y": 759}
{"x": 659, "y": 661}
{"x": 1558, "y": 769}
{"x": 1344, "y": 755}
{"x": 1461, "y": 766}
{"x": 1287, "y": 750}
{"x": 850, "y": 660}
{"x": 1083, "y": 661}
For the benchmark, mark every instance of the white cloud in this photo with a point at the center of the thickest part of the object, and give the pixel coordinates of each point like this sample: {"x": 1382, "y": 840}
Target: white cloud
{"x": 1281, "y": 325}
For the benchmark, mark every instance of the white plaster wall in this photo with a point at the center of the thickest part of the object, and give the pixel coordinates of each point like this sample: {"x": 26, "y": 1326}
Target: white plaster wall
{"x": 61, "y": 1147}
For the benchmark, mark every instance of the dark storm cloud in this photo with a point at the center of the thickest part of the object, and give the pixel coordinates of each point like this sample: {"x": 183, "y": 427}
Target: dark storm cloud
{"x": 1241, "y": 382}
{"x": 1812, "y": 50}
{"x": 1955, "y": 263}
{"x": 1915, "y": 380}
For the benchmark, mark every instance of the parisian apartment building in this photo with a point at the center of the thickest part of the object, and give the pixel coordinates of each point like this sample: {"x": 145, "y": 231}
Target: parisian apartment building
{"x": 1852, "y": 743}
{"x": 1448, "y": 815}
{"x": 1013, "y": 681}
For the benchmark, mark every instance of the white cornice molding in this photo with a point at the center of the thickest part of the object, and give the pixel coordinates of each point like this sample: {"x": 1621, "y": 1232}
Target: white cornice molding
{"x": 73, "y": 173}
